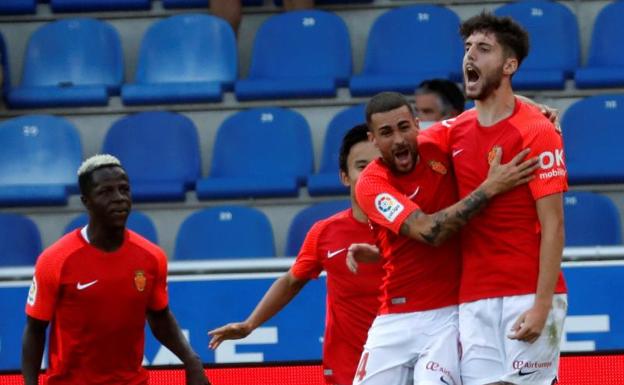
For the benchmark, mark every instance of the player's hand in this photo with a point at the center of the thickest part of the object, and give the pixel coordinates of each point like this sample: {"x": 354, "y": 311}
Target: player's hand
{"x": 361, "y": 252}
{"x": 529, "y": 325}
{"x": 503, "y": 177}
{"x": 195, "y": 374}
{"x": 551, "y": 114}
{"x": 232, "y": 331}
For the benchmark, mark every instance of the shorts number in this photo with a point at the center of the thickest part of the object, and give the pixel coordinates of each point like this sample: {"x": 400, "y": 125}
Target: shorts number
{"x": 361, "y": 370}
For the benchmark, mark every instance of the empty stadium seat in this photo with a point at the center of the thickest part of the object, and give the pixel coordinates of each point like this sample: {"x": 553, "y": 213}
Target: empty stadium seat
{"x": 408, "y": 45}
{"x": 262, "y": 152}
{"x": 6, "y": 73}
{"x": 325, "y": 2}
{"x": 70, "y": 62}
{"x": 592, "y": 129}
{"x": 225, "y": 232}
{"x": 160, "y": 152}
{"x": 137, "y": 222}
{"x": 97, "y": 5}
{"x": 554, "y": 43}
{"x": 605, "y": 64}
{"x": 200, "y": 3}
{"x": 14, "y": 7}
{"x": 591, "y": 219}
{"x": 303, "y": 221}
{"x": 298, "y": 54}
{"x": 39, "y": 159}
{"x": 20, "y": 241}
{"x": 327, "y": 181}
{"x": 184, "y": 59}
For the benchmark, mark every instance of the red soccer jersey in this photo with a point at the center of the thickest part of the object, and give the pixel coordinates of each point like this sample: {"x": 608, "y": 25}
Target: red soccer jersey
{"x": 352, "y": 299}
{"x": 417, "y": 276}
{"x": 500, "y": 246}
{"x": 96, "y": 303}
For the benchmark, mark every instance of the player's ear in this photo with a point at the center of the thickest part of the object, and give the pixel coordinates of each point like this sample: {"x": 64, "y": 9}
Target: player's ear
{"x": 511, "y": 66}
{"x": 344, "y": 178}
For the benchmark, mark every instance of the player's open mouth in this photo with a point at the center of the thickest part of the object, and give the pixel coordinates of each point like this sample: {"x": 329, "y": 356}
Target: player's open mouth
{"x": 402, "y": 157}
{"x": 471, "y": 74}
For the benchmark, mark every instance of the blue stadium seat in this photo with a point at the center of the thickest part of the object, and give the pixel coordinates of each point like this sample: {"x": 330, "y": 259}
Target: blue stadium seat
{"x": 605, "y": 65}
{"x": 20, "y": 241}
{"x": 14, "y": 7}
{"x": 98, "y": 5}
{"x": 298, "y": 54}
{"x": 279, "y": 3}
{"x": 160, "y": 152}
{"x": 554, "y": 40}
{"x": 592, "y": 128}
{"x": 70, "y": 62}
{"x": 6, "y": 73}
{"x": 200, "y": 3}
{"x": 137, "y": 221}
{"x": 408, "y": 45}
{"x": 184, "y": 59}
{"x": 225, "y": 232}
{"x": 262, "y": 152}
{"x": 591, "y": 219}
{"x": 38, "y": 162}
{"x": 303, "y": 221}
{"x": 327, "y": 181}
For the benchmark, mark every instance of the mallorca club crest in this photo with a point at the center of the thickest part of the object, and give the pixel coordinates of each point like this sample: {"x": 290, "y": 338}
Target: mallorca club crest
{"x": 492, "y": 154}
{"x": 438, "y": 167}
{"x": 140, "y": 280}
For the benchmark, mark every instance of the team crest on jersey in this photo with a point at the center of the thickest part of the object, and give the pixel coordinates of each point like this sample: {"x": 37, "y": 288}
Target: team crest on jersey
{"x": 32, "y": 293}
{"x": 388, "y": 206}
{"x": 140, "y": 280}
{"x": 492, "y": 154}
{"x": 438, "y": 167}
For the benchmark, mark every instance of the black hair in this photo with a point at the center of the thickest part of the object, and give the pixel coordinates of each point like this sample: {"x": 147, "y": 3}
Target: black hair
{"x": 354, "y": 136}
{"x": 384, "y": 102}
{"x": 449, "y": 93}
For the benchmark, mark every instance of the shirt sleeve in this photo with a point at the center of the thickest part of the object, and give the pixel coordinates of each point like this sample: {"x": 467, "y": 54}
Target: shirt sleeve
{"x": 308, "y": 263}
{"x": 383, "y": 203}
{"x": 160, "y": 296}
{"x": 44, "y": 289}
{"x": 552, "y": 176}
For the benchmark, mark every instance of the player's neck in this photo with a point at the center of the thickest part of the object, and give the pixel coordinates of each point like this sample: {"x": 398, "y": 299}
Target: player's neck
{"x": 105, "y": 238}
{"x": 358, "y": 214}
{"x": 497, "y": 107}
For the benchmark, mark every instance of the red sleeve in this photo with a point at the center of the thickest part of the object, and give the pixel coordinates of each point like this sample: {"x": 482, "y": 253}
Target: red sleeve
{"x": 44, "y": 289}
{"x": 308, "y": 263}
{"x": 551, "y": 177}
{"x": 160, "y": 297}
{"x": 438, "y": 134}
{"x": 381, "y": 202}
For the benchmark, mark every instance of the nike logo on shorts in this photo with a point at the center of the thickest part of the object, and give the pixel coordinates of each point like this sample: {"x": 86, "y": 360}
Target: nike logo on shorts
{"x": 521, "y": 373}
{"x": 80, "y": 286}
{"x": 331, "y": 254}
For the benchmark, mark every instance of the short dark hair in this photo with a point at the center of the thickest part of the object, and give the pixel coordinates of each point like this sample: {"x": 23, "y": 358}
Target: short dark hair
{"x": 447, "y": 91}
{"x": 384, "y": 102}
{"x": 354, "y": 136}
{"x": 511, "y": 35}
{"x": 92, "y": 164}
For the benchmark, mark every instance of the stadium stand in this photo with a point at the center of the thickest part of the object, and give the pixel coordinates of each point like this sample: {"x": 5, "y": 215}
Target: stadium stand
{"x": 137, "y": 221}
{"x": 555, "y": 43}
{"x": 14, "y": 7}
{"x": 585, "y": 212}
{"x": 200, "y": 3}
{"x": 262, "y": 152}
{"x": 391, "y": 65}
{"x": 20, "y": 242}
{"x": 298, "y": 54}
{"x": 70, "y": 62}
{"x": 5, "y": 73}
{"x": 184, "y": 59}
{"x": 166, "y": 163}
{"x": 327, "y": 181}
{"x": 605, "y": 64}
{"x": 305, "y": 218}
{"x": 591, "y": 126}
{"x": 225, "y": 232}
{"x": 98, "y": 5}
{"x": 38, "y": 162}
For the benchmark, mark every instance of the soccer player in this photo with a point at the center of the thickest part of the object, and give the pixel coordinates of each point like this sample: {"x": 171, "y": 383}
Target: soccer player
{"x": 416, "y": 328}
{"x": 437, "y": 99}
{"x": 512, "y": 294}
{"x": 96, "y": 286}
{"x": 352, "y": 300}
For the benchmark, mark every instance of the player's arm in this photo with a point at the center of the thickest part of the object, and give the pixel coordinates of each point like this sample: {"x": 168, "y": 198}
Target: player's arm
{"x": 166, "y": 330}
{"x": 281, "y": 292}
{"x": 530, "y": 324}
{"x": 435, "y": 228}
{"x": 33, "y": 344}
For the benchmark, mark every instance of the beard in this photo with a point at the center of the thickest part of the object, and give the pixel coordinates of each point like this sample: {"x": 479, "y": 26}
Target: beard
{"x": 489, "y": 83}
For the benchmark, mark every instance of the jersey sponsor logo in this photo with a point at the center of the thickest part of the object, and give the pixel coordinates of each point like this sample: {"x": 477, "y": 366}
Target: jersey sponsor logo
{"x": 388, "y": 206}
{"x": 553, "y": 163}
{"x": 457, "y": 152}
{"x": 438, "y": 167}
{"x": 32, "y": 293}
{"x": 140, "y": 280}
{"x": 331, "y": 254}
{"x": 526, "y": 368}
{"x": 446, "y": 377}
{"x": 82, "y": 286}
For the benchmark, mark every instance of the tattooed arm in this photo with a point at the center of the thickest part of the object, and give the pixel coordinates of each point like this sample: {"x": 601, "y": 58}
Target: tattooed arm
{"x": 435, "y": 228}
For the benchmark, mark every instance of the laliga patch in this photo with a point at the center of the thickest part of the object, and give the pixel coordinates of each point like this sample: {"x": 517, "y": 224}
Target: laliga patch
{"x": 438, "y": 167}
{"x": 140, "y": 280}
{"x": 388, "y": 206}
{"x": 32, "y": 293}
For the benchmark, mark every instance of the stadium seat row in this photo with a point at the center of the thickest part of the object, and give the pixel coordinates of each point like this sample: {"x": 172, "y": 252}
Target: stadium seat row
{"x": 192, "y": 58}
{"x": 244, "y": 232}
{"x": 260, "y": 152}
